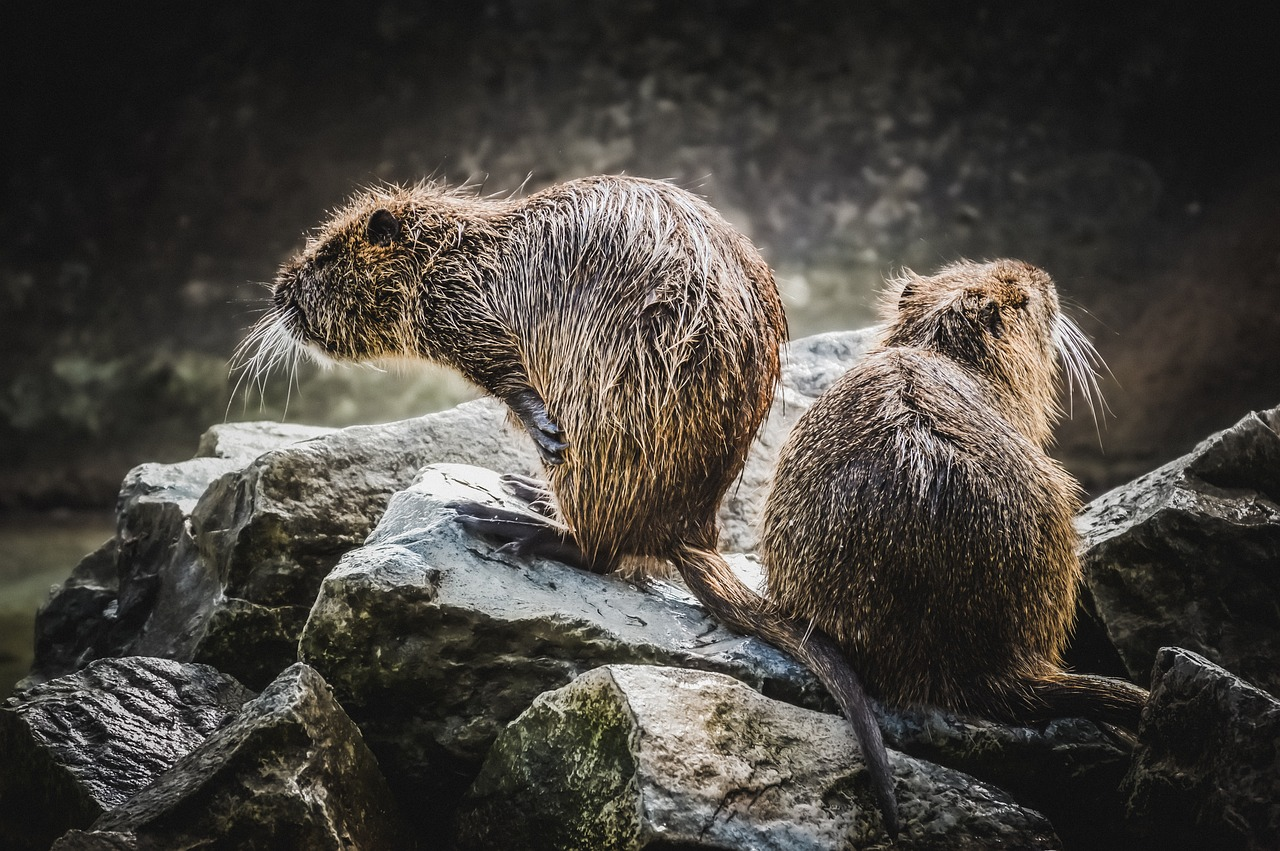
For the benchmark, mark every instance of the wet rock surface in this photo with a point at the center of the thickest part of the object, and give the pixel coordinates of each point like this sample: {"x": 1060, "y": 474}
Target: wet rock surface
{"x": 290, "y": 771}
{"x": 1206, "y": 772}
{"x": 434, "y": 640}
{"x": 77, "y": 746}
{"x": 149, "y": 591}
{"x": 643, "y": 757}
{"x": 1186, "y": 555}
{"x": 1068, "y": 769}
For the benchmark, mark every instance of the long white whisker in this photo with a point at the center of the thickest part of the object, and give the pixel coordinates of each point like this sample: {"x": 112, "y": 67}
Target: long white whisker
{"x": 1081, "y": 363}
{"x": 268, "y": 345}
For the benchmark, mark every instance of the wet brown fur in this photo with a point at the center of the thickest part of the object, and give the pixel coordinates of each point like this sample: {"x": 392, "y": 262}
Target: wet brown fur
{"x": 917, "y": 518}
{"x": 649, "y": 326}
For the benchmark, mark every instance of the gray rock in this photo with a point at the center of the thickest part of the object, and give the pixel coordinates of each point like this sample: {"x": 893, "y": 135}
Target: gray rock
{"x": 434, "y": 640}
{"x": 81, "y": 840}
{"x": 148, "y": 592}
{"x": 273, "y": 529}
{"x": 1206, "y": 772}
{"x": 245, "y": 441}
{"x": 1069, "y": 769}
{"x": 82, "y": 744}
{"x": 290, "y": 772}
{"x": 1186, "y": 555}
{"x": 643, "y": 757}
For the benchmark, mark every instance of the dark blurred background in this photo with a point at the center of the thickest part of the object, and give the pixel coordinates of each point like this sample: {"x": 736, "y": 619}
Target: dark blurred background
{"x": 162, "y": 159}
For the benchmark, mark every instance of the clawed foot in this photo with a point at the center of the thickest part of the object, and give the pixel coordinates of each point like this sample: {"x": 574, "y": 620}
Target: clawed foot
{"x": 532, "y": 491}
{"x": 522, "y": 534}
{"x": 546, "y": 434}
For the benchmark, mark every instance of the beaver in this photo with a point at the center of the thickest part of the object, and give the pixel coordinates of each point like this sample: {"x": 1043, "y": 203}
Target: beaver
{"x": 630, "y": 330}
{"x": 916, "y": 518}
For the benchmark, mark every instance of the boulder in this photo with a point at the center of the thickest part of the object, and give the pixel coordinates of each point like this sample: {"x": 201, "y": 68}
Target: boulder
{"x": 434, "y": 639}
{"x": 147, "y": 591}
{"x": 1206, "y": 772}
{"x": 1069, "y": 769}
{"x": 1186, "y": 555}
{"x": 290, "y": 772}
{"x": 631, "y": 757}
{"x": 79, "y": 745}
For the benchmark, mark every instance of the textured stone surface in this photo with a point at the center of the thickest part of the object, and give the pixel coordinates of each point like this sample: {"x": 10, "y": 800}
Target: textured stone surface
{"x": 434, "y": 640}
{"x": 148, "y": 591}
{"x": 1206, "y": 772}
{"x": 644, "y": 757}
{"x": 81, "y": 744}
{"x": 274, "y": 528}
{"x": 1069, "y": 769}
{"x": 290, "y": 772}
{"x": 1187, "y": 555}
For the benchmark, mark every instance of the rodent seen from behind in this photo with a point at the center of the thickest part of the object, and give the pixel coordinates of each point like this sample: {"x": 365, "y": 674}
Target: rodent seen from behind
{"x": 917, "y": 518}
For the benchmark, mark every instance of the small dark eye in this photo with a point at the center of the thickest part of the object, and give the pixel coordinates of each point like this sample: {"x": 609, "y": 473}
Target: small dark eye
{"x": 382, "y": 228}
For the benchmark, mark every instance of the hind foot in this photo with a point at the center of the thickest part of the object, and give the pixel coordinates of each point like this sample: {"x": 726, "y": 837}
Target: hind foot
{"x": 522, "y": 534}
{"x": 532, "y": 491}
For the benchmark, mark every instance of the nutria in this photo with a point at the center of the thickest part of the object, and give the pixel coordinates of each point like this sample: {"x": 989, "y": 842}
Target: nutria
{"x": 631, "y": 331}
{"x": 917, "y": 519}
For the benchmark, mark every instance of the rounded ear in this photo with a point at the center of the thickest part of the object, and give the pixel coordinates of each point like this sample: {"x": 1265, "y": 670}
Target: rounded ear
{"x": 382, "y": 227}
{"x": 908, "y": 290}
{"x": 989, "y": 318}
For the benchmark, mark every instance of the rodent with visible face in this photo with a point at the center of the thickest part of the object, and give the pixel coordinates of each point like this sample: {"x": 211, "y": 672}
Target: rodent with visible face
{"x": 917, "y": 518}
{"x": 631, "y": 330}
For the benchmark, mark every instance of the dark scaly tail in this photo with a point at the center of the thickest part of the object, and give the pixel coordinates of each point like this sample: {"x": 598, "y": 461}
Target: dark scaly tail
{"x": 1105, "y": 699}
{"x": 736, "y": 606}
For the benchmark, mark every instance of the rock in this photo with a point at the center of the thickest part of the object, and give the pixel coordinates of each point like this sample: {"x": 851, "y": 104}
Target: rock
{"x": 1186, "y": 555}
{"x": 79, "y": 745}
{"x": 246, "y": 441}
{"x": 147, "y": 591}
{"x": 1206, "y": 772}
{"x": 434, "y": 640}
{"x": 290, "y": 772}
{"x": 645, "y": 757}
{"x": 79, "y": 840}
{"x": 1069, "y": 769}
{"x": 273, "y": 529}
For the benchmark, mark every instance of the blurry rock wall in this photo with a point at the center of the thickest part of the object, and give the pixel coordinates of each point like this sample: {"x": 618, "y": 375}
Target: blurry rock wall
{"x": 163, "y": 160}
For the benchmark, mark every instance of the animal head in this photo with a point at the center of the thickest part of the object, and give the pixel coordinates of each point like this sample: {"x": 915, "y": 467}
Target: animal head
{"x": 1001, "y": 319}
{"x": 367, "y": 284}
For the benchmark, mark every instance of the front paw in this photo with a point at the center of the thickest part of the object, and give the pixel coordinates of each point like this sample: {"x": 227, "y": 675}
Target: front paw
{"x": 546, "y": 433}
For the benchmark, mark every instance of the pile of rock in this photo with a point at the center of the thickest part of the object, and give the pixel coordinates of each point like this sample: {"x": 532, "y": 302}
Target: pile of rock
{"x": 419, "y": 688}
